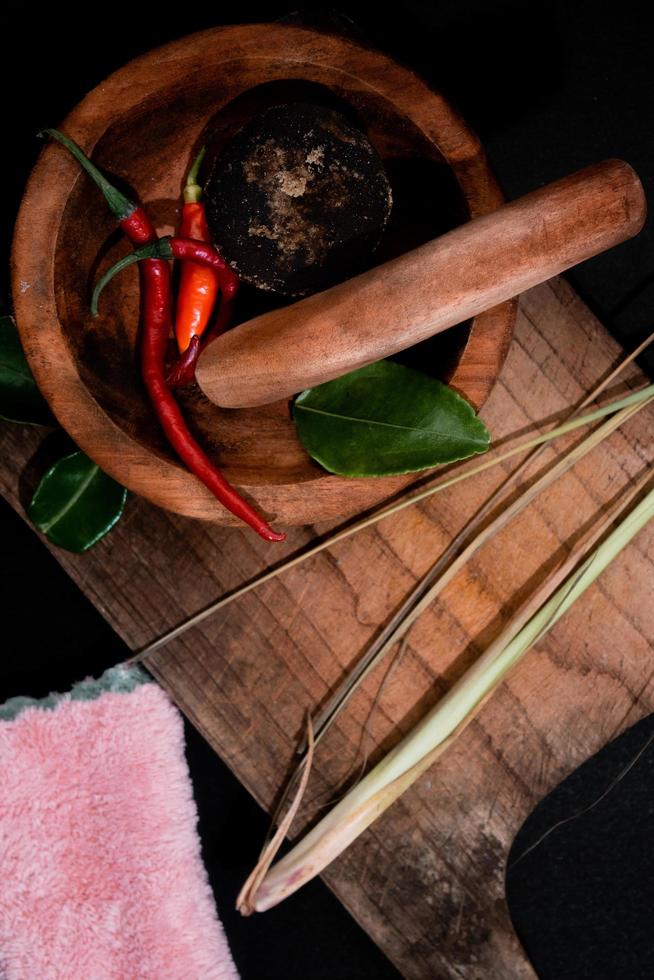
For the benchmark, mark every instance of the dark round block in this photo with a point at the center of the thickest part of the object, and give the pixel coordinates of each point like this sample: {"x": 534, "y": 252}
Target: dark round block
{"x": 298, "y": 200}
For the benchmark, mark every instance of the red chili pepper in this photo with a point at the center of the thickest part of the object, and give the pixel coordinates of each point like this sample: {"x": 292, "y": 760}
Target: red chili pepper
{"x": 198, "y": 288}
{"x": 182, "y": 371}
{"x": 198, "y": 285}
{"x": 157, "y": 317}
{"x": 157, "y": 297}
{"x": 167, "y": 247}
{"x": 189, "y": 249}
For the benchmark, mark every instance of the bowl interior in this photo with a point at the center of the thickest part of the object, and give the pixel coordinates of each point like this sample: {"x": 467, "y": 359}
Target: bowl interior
{"x": 149, "y": 151}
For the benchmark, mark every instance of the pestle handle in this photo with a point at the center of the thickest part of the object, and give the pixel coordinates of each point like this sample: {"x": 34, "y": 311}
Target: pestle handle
{"x": 395, "y": 305}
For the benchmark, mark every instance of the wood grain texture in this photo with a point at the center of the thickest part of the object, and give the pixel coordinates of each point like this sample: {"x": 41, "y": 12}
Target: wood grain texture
{"x": 427, "y": 881}
{"x": 144, "y": 125}
{"x": 432, "y": 288}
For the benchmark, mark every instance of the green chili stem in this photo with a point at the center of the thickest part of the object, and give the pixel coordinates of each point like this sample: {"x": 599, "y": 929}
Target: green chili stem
{"x": 155, "y": 250}
{"x": 192, "y": 189}
{"x": 120, "y": 205}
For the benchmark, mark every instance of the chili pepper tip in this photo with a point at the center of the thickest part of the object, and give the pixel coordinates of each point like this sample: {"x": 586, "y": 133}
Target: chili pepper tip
{"x": 269, "y": 535}
{"x": 182, "y": 371}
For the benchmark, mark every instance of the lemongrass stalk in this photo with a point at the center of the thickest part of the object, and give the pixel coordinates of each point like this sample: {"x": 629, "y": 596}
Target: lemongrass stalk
{"x": 416, "y": 752}
{"x": 430, "y": 587}
{"x": 404, "y": 614}
{"x": 438, "y": 577}
{"x": 387, "y": 511}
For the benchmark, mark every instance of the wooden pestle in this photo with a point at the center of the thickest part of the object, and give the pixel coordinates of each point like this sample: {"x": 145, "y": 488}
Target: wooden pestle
{"x": 395, "y": 305}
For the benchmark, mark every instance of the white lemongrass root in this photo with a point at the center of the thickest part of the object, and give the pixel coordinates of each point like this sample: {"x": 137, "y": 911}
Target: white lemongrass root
{"x": 245, "y": 901}
{"x": 431, "y": 736}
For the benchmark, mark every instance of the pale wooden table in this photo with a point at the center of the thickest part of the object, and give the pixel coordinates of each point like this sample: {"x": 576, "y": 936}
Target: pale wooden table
{"x": 427, "y": 881}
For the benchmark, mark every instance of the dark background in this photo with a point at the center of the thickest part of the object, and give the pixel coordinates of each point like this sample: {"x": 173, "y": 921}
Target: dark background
{"x": 549, "y": 87}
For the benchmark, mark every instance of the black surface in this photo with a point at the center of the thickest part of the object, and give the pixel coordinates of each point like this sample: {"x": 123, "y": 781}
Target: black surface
{"x": 549, "y": 88}
{"x": 580, "y": 875}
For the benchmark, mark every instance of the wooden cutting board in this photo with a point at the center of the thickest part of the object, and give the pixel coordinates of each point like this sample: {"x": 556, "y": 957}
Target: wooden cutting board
{"x": 427, "y": 880}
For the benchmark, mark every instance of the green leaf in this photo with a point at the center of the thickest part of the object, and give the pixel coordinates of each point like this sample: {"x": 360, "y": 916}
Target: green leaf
{"x": 20, "y": 399}
{"x": 76, "y": 504}
{"x": 386, "y": 419}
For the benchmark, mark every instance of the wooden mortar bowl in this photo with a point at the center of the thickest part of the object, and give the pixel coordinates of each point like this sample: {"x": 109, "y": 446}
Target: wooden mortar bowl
{"x": 143, "y": 126}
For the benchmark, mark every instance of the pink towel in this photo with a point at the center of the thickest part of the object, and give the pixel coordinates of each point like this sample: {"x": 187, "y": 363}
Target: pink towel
{"x": 102, "y": 877}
